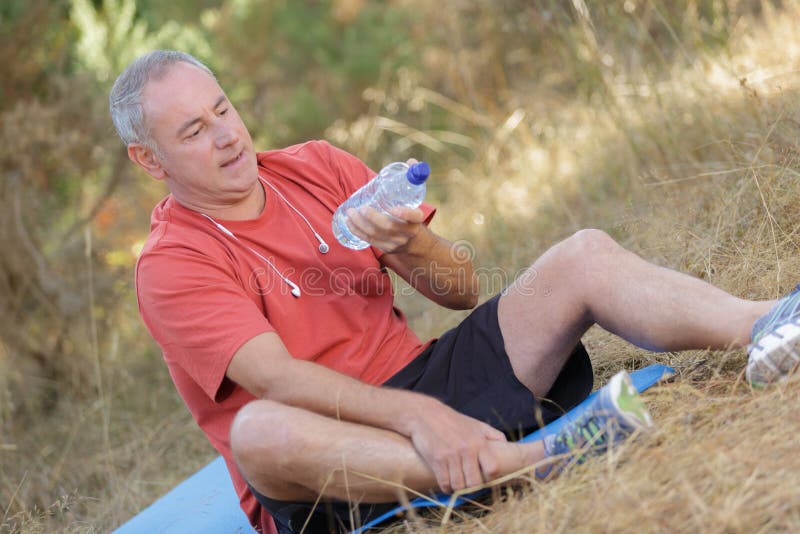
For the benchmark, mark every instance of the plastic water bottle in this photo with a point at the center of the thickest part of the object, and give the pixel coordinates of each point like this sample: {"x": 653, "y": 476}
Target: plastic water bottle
{"x": 398, "y": 184}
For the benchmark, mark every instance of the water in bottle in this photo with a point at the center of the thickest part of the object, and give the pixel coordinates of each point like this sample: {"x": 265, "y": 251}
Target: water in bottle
{"x": 398, "y": 184}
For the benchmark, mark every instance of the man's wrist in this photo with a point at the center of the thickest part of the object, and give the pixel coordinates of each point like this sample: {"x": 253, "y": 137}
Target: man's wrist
{"x": 420, "y": 244}
{"x": 411, "y": 408}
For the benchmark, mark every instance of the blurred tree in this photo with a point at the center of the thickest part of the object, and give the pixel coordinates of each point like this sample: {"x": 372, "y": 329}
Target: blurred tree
{"x": 61, "y": 165}
{"x": 112, "y": 36}
{"x": 296, "y": 66}
{"x": 33, "y": 39}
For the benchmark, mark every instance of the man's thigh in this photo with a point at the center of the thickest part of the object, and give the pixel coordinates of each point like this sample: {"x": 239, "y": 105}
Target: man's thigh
{"x": 468, "y": 369}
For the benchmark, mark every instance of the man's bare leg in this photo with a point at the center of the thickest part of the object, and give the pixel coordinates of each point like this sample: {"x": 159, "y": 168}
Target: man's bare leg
{"x": 291, "y": 454}
{"x": 589, "y": 278}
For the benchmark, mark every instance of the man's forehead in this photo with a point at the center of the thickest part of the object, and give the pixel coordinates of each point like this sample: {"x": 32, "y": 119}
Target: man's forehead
{"x": 181, "y": 91}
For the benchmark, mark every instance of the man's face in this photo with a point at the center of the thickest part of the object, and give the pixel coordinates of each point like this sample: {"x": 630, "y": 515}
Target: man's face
{"x": 206, "y": 153}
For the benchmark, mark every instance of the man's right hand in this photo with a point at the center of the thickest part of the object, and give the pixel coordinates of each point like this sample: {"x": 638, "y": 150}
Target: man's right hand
{"x": 455, "y": 446}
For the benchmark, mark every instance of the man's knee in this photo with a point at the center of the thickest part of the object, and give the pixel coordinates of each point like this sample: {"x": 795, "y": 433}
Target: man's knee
{"x": 591, "y": 243}
{"x": 570, "y": 259}
{"x": 586, "y": 248}
{"x": 260, "y": 436}
{"x": 585, "y": 251}
{"x": 265, "y": 444}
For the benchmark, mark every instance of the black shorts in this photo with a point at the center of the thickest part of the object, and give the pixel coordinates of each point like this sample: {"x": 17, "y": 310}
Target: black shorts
{"x": 467, "y": 369}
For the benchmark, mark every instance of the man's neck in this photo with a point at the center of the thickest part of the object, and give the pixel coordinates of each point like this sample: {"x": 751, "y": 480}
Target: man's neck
{"x": 250, "y": 207}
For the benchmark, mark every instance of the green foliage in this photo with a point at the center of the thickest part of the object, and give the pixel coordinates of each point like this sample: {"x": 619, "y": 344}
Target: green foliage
{"x": 112, "y": 36}
{"x": 308, "y": 37}
{"x": 304, "y": 67}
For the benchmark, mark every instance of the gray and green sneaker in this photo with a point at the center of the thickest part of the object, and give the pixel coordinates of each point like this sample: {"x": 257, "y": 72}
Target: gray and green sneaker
{"x": 775, "y": 350}
{"x": 614, "y": 414}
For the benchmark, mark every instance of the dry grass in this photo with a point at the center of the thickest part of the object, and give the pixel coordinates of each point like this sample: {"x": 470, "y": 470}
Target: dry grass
{"x": 721, "y": 460}
{"x": 691, "y": 163}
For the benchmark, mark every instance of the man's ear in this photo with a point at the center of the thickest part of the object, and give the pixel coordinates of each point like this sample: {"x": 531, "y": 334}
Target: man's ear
{"x": 145, "y": 158}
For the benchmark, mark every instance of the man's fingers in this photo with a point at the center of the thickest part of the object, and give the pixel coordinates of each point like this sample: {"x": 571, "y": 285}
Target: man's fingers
{"x": 380, "y": 222}
{"x": 387, "y": 232}
{"x": 357, "y": 223}
{"x": 409, "y": 215}
{"x": 398, "y": 217}
{"x": 489, "y": 466}
{"x": 456, "y": 447}
{"x": 442, "y": 473}
{"x": 370, "y": 222}
{"x": 457, "y": 481}
{"x": 472, "y": 470}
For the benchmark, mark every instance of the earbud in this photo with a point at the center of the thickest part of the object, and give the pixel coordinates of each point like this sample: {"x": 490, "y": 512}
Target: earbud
{"x": 323, "y": 246}
{"x": 295, "y": 289}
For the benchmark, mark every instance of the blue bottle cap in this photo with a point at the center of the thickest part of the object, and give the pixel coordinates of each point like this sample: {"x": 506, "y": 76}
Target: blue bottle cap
{"x": 418, "y": 173}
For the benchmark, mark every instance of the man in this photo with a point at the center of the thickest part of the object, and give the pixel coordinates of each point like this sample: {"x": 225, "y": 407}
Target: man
{"x": 288, "y": 351}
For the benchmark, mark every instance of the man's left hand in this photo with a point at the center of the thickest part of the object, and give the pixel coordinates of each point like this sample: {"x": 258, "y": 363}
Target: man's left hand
{"x": 390, "y": 233}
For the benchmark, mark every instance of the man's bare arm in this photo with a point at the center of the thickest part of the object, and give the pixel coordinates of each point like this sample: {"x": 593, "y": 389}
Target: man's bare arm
{"x": 431, "y": 264}
{"x": 453, "y": 445}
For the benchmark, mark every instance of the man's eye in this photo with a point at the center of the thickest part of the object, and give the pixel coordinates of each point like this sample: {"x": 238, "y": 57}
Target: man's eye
{"x": 223, "y": 111}
{"x": 195, "y": 133}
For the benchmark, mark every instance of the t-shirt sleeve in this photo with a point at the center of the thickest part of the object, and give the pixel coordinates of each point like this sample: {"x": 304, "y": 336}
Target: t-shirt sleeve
{"x": 354, "y": 173}
{"x": 198, "y": 312}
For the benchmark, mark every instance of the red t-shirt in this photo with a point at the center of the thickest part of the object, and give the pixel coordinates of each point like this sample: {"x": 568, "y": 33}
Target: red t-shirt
{"x": 203, "y": 294}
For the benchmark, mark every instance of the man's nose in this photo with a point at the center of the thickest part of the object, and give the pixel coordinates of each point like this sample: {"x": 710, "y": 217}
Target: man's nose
{"x": 225, "y": 136}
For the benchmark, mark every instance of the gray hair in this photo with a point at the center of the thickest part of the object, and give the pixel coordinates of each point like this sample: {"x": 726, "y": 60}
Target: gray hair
{"x": 125, "y": 99}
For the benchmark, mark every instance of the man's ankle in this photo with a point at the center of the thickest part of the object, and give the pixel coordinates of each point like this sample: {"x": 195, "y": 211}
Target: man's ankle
{"x": 533, "y": 453}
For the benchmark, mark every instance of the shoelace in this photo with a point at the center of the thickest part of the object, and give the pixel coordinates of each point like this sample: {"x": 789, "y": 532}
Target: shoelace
{"x": 596, "y": 431}
{"x": 592, "y": 432}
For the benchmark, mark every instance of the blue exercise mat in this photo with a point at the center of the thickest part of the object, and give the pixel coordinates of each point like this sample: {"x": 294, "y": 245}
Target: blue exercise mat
{"x": 204, "y": 502}
{"x": 207, "y": 503}
{"x": 642, "y": 379}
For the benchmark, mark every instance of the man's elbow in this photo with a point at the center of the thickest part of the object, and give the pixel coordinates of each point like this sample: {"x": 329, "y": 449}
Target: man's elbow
{"x": 471, "y": 292}
{"x": 463, "y": 300}
{"x": 472, "y": 301}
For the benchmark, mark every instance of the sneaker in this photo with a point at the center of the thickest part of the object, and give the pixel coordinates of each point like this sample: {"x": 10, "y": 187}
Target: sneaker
{"x": 775, "y": 350}
{"x": 614, "y": 414}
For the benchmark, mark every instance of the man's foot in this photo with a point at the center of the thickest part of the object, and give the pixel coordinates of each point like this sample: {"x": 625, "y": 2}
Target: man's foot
{"x": 775, "y": 350}
{"x": 614, "y": 414}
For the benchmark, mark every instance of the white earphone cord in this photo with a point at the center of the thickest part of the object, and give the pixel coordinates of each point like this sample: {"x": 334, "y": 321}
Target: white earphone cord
{"x": 323, "y": 246}
{"x": 295, "y": 289}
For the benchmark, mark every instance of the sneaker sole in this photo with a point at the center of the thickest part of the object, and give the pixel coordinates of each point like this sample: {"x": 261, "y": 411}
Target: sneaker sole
{"x": 626, "y": 400}
{"x": 775, "y": 356}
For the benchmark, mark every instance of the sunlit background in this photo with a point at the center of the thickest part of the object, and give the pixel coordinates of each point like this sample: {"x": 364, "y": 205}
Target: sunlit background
{"x": 672, "y": 125}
